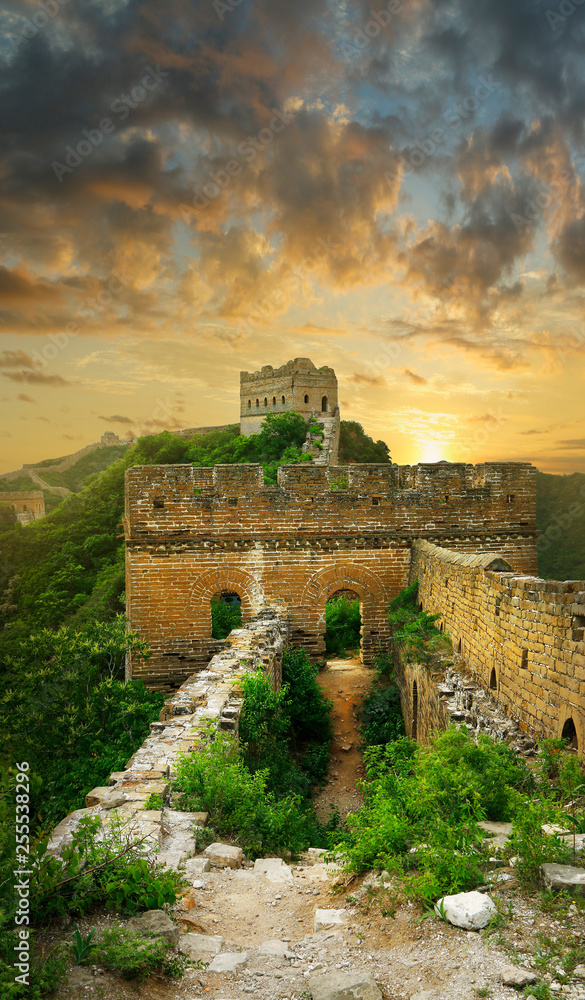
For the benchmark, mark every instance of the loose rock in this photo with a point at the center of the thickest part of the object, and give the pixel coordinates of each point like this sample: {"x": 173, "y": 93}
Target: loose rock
{"x": 513, "y": 975}
{"x": 564, "y": 877}
{"x": 344, "y": 986}
{"x": 470, "y": 910}
{"x": 224, "y": 855}
{"x": 228, "y": 962}
{"x": 157, "y": 923}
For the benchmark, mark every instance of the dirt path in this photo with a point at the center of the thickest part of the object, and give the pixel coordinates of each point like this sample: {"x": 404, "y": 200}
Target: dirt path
{"x": 345, "y": 682}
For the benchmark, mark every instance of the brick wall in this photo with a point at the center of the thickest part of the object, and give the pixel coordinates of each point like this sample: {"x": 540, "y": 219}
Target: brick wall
{"x": 521, "y": 636}
{"x": 191, "y": 532}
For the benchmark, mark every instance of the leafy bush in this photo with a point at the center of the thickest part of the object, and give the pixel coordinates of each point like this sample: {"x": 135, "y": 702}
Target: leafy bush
{"x": 356, "y": 446}
{"x": 343, "y": 624}
{"x": 240, "y": 805}
{"x": 67, "y": 710}
{"x": 431, "y": 799}
{"x": 381, "y": 716}
{"x": 224, "y": 617}
{"x": 135, "y": 956}
{"x": 413, "y": 631}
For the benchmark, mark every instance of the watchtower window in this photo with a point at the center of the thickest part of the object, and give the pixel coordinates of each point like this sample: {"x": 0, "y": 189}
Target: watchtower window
{"x": 274, "y": 400}
{"x": 493, "y": 680}
{"x": 306, "y": 398}
{"x": 249, "y": 403}
{"x": 570, "y": 733}
{"x": 324, "y": 404}
{"x": 257, "y": 402}
{"x": 376, "y": 501}
{"x": 265, "y": 401}
{"x": 283, "y": 399}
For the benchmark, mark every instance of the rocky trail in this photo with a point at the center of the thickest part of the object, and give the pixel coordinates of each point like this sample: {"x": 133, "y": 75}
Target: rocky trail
{"x": 298, "y": 931}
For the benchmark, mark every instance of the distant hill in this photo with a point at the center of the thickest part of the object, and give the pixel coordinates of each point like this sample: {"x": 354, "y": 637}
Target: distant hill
{"x": 560, "y": 516}
{"x": 68, "y": 474}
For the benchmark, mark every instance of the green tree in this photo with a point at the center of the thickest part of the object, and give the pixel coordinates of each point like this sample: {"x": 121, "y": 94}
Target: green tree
{"x": 356, "y": 446}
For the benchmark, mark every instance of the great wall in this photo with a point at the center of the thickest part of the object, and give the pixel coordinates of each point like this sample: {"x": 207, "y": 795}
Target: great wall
{"x": 466, "y": 533}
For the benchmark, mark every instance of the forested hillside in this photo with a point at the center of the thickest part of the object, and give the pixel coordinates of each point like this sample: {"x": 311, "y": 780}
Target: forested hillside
{"x": 560, "y": 516}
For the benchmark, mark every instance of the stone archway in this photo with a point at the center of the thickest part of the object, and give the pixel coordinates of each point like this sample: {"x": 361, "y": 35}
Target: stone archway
{"x": 373, "y": 600}
{"x": 215, "y": 581}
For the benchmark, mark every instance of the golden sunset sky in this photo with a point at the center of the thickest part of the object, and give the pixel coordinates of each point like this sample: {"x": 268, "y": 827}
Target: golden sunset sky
{"x": 394, "y": 189}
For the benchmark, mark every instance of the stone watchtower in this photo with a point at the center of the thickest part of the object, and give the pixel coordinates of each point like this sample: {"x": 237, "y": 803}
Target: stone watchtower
{"x": 297, "y": 386}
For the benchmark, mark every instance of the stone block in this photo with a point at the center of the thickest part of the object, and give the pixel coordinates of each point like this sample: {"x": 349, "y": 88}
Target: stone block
{"x": 344, "y": 986}
{"x": 229, "y": 962}
{"x": 564, "y": 877}
{"x": 200, "y": 945}
{"x": 325, "y": 919}
{"x": 224, "y": 855}
{"x": 157, "y": 923}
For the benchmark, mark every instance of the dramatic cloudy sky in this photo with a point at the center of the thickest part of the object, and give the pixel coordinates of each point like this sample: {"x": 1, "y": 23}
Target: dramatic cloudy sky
{"x": 189, "y": 188}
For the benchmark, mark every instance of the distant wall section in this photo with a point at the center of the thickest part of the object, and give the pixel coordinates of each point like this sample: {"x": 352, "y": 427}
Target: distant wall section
{"x": 523, "y": 637}
{"x": 27, "y": 506}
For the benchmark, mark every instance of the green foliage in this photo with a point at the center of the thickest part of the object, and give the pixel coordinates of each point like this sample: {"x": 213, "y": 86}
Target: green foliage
{"x": 356, "y": 446}
{"x": 136, "y": 956}
{"x": 81, "y": 946}
{"x": 381, "y": 716}
{"x": 67, "y": 710}
{"x": 422, "y": 806}
{"x": 560, "y": 518}
{"x": 287, "y": 734}
{"x": 413, "y": 631}
{"x": 343, "y": 624}
{"x": 8, "y": 517}
{"x": 224, "y": 618}
{"x": 77, "y": 476}
{"x": 532, "y": 847}
{"x": 240, "y": 804}
{"x": 154, "y": 801}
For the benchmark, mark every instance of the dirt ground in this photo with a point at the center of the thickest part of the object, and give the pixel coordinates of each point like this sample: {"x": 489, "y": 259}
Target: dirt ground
{"x": 345, "y": 682}
{"x": 411, "y": 955}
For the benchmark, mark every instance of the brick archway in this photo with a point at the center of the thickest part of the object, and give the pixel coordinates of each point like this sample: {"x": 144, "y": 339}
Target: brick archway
{"x": 215, "y": 581}
{"x": 373, "y": 603}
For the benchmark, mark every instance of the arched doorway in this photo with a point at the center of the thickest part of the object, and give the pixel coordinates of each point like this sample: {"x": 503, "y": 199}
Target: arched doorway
{"x": 414, "y": 731}
{"x": 569, "y": 733}
{"x": 226, "y": 613}
{"x": 343, "y": 623}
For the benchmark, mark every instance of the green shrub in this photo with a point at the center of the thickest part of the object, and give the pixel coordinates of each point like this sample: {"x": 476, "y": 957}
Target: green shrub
{"x": 240, "y": 805}
{"x": 422, "y": 806}
{"x": 381, "y": 716}
{"x": 413, "y": 631}
{"x": 224, "y": 618}
{"x": 343, "y": 624}
{"x": 136, "y": 956}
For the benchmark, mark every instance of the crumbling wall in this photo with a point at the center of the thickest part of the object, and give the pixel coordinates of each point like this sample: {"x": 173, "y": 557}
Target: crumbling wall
{"x": 211, "y": 697}
{"x": 522, "y": 637}
{"x": 193, "y": 532}
{"x": 28, "y": 506}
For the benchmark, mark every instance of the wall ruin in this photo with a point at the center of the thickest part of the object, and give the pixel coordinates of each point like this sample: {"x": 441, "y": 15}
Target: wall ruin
{"x": 521, "y": 636}
{"x": 28, "y": 506}
{"x": 193, "y": 532}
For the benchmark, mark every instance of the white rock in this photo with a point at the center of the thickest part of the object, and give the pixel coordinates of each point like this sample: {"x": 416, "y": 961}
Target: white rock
{"x": 579, "y": 971}
{"x": 344, "y": 986}
{"x": 200, "y": 945}
{"x": 224, "y": 855}
{"x": 196, "y": 866}
{"x": 329, "y": 918}
{"x": 228, "y": 962}
{"x": 564, "y": 877}
{"x": 470, "y": 910}
{"x": 268, "y": 864}
{"x": 277, "y": 949}
{"x": 554, "y": 830}
{"x": 514, "y": 975}
{"x": 157, "y": 923}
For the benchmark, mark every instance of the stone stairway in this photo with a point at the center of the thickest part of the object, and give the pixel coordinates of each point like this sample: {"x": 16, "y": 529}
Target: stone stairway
{"x": 323, "y": 446}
